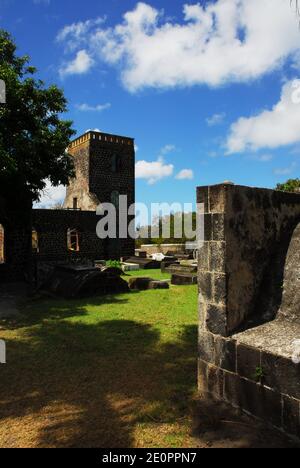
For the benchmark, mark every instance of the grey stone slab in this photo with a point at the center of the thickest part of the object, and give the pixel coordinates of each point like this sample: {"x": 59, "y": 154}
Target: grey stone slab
{"x": 184, "y": 279}
{"x": 276, "y": 337}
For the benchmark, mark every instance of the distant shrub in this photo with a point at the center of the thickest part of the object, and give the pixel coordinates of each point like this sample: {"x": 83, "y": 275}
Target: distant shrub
{"x": 113, "y": 264}
{"x": 292, "y": 185}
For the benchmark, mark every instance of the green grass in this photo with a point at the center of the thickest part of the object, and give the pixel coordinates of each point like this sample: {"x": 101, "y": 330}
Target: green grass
{"x": 118, "y": 371}
{"x": 154, "y": 274}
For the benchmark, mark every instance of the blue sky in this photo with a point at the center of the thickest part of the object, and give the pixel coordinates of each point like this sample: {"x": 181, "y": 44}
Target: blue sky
{"x": 207, "y": 89}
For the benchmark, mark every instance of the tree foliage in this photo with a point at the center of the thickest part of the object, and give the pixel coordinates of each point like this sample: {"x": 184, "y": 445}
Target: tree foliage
{"x": 33, "y": 136}
{"x": 291, "y": 185}
{"x": 170, "y": 236}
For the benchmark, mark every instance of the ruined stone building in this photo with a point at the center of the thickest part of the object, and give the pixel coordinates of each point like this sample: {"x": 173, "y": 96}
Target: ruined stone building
{"x": 105, "y": 168}
{"x": 249, "y": 302}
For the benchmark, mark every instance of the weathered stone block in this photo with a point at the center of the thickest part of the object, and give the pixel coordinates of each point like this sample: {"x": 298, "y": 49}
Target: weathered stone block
{"x": 215, "y": 381}
{"x": 73, "y": 282}
{"x": 207, "y": 219}
{"x": 217, "y": 257}
{"x": 159, "y": 285}
{"x": 202, "y": 306}
{"x": 291, "y": 415}
{"x": 184, "y": 279}
{"x": 248, "y": 361}
{"x": 202, "y": 377}
{"x": 216, "y": 319}
{"x": 143, "y": 284}
{"x": 217, "y": 198}
{"x": 291, "y": 292}
{"x": 144, "y": 263}
{"x": 281, "y": 374}
{"x": 241, "y": 268}
{"x": 260, "y": 402}
{"x": 225, "y": 353}
{"x": 139, "y": 284}
{"x": 205, "y": 280}
{"x": 253, "y": 398}
{"x": 232, "y": 389}
{"x": 168, "y": 265}
{"x": 218, "y": 227}
{"x": 206, "y": 347}
{"x": 203, "y": 257}
{"x": 219, "y": 281}
{"x": 202, "y": 197}
{"x": 179, "y": 269}
{"x": 257, "y": 223}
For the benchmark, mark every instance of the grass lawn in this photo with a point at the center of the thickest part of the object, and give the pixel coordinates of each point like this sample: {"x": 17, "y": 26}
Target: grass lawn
{"x": 154, "y": 274}
{"x": 118, "y": 371}
{"x": 110, "y": 372}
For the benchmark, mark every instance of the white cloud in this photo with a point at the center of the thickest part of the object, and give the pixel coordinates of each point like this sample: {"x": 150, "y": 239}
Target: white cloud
{"x": 51, "y": 196}
{"x": 167, "y": 149}
{"x": 273, "y": 128}
{"x": 76, "y": 34}
{"x": 185, "y": 174}
{"x": 265, "y": 158}
{"x": 215, "y": 119}
{"x": 97, "y": 108}
{"x": 223, "y": 41}
{"x": 93, "y": 130}
{"x": 286, "y": 170}
{"x": 80, "y": 65}
{"x": 153, "y": 171}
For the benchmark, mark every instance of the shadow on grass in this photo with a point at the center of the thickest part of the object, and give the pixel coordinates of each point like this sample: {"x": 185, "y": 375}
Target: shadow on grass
{"x": 112, "y": 383}
{"x": 84, "y": 385}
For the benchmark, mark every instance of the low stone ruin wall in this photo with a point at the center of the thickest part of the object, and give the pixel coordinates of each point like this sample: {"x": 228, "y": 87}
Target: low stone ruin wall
{"x": 249, "y": 321}
{"x": 151, "y": 249}
{"x": 16, "y": 241}
{"x": 51, "y": 226}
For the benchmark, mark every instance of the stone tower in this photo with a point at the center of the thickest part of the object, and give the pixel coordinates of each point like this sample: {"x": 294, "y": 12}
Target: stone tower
{"x": 105, "y": 167}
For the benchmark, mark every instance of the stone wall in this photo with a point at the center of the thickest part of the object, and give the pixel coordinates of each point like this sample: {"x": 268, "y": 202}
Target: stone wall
{"x": 103, "y": 164}
{"x": 247, "y": 325}
{"x": 52, "y": 227}
{"x": 17, "y": 241}
{"x": 79, "y": 187}
{"x": 151, "y": 249}
{"x": 247, "y": 232}
{"x": 112, "y": 167}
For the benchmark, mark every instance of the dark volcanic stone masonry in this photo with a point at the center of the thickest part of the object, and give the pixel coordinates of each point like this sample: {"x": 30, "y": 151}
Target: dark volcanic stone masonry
{"x": 249, "y": 303}
{"x": 143, "y": 284}
{"x": 105, "y": 164}
{"x": 105, "y": 169}
{"x": 185, "y": 279}
{"x": 76, "y": 282}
